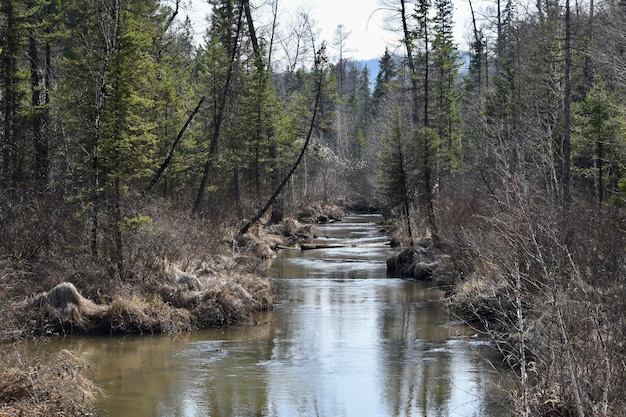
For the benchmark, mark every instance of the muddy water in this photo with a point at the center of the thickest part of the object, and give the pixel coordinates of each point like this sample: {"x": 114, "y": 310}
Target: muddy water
{"x": 345, "y": 340}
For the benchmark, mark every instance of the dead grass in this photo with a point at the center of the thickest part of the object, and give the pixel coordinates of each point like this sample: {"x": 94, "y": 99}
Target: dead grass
{"x": 48, "y": 385}
{"x": 184, "y": 302}
{"x": 180, "y": 274}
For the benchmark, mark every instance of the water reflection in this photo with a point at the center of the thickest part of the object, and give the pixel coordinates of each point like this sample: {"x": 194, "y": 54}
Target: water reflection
{"x": 344, "y": 341}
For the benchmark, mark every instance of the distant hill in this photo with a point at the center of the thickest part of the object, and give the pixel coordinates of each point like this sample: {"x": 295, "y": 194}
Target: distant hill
{"x": 372, "y": 66}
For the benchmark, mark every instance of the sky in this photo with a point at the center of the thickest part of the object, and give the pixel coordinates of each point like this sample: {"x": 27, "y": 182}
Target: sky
{"x": 363, "y": 19}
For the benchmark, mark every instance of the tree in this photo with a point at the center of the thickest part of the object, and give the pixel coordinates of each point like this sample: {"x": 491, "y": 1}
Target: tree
{"x": 445, "y": 65}
{"x": 10, "y": 54}
{"x": 111, "y": 56}
{"x": 339, "y": 43}
{"x": 567, "y": 99}
{"x": 319, "y": 71}
{"x": 396, "y": 170}
{"x": 44, "y": 18}
{"x": 386, "y": 73}
{"x": 595, "y": 149}
{"x": 422, "y": 34}
{"x": 477, "y": 54}
{"x": 225, "y": 32}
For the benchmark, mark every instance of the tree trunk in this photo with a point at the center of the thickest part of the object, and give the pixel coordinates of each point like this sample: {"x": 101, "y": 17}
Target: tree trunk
{"x": 257, "y": 217}
{"x": 170, "y": 154}
{"x": 477, "y": 47}
{"x": 408, "y": 44}
{"x": 117, "y": 228}
{"x": 237, "y": 188}
{"x": 278, "y": 206}
{"x": 405, "y": 193}
{"x": 567, "y": 128}
{"x": 214, "y": 148}
{"x": 599, "y": 168}
{"x": 10, "y": 68}
{"x": 39, "y": 139}
{"x": 110, "y": 33}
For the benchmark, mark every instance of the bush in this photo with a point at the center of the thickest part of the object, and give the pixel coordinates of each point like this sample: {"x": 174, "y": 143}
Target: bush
{"x": 549, "y": 288}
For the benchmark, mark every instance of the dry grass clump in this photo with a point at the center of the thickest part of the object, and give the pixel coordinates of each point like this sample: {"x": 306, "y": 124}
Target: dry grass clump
{"x": 291, "y": 230}
{"x": 217, "y": 300}
{"x": 258, "y": 244}
{"x": 64, "y": 310}
{"x": 321, "y": 213}
{"x": 50, "y": 385}
{"x": 183, "y": 305}
{"x": 134, "y": 315}
{"x": 179, "y": 301}
{"x": 485, "y": 283}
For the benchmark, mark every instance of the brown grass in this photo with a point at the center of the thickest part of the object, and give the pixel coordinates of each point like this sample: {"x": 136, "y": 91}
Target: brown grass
{"x": 180, "y": 274}
{"x": 172, "y": 306}
{"x": 45, "y": 385}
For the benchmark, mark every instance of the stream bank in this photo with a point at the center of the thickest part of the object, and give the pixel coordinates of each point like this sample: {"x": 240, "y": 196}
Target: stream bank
{"x": 198, "y": 284}
{"x": 342, "y": 339}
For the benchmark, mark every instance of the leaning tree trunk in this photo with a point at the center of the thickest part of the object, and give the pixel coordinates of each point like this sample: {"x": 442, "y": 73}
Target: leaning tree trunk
{"x": 213, "y": 149}
{"x": 170, "y": 154}
{"x": 276, "y": 193}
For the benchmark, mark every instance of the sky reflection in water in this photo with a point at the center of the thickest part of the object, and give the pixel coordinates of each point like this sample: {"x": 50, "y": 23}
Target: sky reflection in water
{"x": 345, "y": 341}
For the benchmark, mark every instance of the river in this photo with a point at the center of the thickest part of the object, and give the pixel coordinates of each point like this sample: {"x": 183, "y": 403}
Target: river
{"x": 344, "y": 340}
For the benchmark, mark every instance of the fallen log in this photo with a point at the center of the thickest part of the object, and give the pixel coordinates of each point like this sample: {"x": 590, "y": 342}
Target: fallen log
{"x": 312, "y": 246}
{"x": 306, "y": 246}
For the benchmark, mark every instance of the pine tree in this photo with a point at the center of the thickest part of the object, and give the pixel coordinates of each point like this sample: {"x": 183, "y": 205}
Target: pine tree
{"x": 112, "y": 56}
{"x": 446, "y": 62}
{"x": 224, "y": 40}
{"x": 386, "y": 73}
{"x": 596, "y": 154}
{"x": 396, "y": 170}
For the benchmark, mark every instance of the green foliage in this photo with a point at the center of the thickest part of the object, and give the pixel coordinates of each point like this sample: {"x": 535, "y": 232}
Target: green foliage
{"x": 598, "y": 152}
{"x": 397, "y": 165}
{"x": 386, "y": 73}
{"x": 135, "y": 222}
{"x": 446, "y": 64}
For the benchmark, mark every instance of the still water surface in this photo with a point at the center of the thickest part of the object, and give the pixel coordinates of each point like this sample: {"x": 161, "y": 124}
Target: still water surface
{"x": 345, "y": 340}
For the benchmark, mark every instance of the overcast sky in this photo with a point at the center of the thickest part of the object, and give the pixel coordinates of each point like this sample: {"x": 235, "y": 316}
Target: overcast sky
{"x": 363, "y": 19}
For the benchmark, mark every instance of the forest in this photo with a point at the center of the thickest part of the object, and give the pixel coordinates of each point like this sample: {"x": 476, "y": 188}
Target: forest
{"x": 128, "y": 146}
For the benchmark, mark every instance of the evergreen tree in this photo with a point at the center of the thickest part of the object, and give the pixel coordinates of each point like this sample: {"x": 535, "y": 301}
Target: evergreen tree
{"x": 224, "y": 41}
{"x": 112, "y": 56}
{"x": 396, "y": 170}
{"x": 596, "y": 154}
{"x": 27, "y": 28}
{"x": 386, "y": 73}
{"x": 445, "y": 65}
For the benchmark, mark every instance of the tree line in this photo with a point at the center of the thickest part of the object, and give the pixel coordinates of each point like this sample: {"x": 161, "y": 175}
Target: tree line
{"x": 515, "y": 164}
{"x": 511, "y": 153}
{"x": 107, "y": 105}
